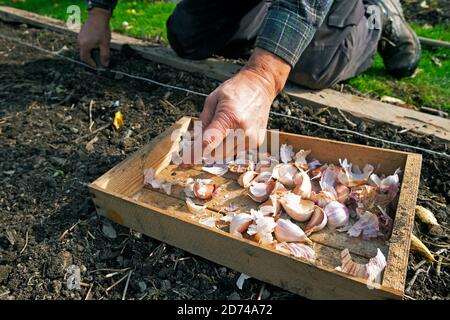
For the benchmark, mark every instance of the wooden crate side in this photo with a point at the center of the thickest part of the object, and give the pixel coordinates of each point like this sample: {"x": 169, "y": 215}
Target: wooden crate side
{"x": 128, "y": 176}
{"x": 331, "y": 151}
{"x": 266, "y": 265}
{"x": 397, "y": 261}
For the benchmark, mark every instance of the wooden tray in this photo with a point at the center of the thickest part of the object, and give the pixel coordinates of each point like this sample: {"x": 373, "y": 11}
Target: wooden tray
{"x": 120, "y": 195}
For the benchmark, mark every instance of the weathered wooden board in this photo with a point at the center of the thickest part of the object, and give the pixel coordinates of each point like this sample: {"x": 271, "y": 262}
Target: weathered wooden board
{"x": 121, "y": 196}
{"x": 221, "y": 70}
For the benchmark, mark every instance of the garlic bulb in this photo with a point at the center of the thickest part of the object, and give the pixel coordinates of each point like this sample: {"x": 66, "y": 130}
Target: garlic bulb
{"x": 246, "y": 178}
{"x": 317, "y": 222}
{"x": 240, "y": 223}
{"x": 287, "y": 231}
{"x": 296, "y": 207}
{"x": 337, "y": 214}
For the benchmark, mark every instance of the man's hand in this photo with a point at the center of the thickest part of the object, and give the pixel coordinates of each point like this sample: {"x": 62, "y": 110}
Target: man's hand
{"x": 95, "y": 33}
{"x": 243, "y": 102}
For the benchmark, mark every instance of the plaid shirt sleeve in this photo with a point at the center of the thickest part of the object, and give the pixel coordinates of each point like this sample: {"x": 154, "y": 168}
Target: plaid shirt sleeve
{"x": 290, "y": 25}
{"x": 105, "y": 4}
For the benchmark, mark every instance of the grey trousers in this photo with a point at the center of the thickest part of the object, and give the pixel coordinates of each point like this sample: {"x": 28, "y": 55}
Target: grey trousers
{"x": 344, "y": 46}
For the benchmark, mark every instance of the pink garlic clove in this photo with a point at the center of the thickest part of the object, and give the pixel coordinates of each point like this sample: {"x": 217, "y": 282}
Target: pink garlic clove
{"x": 297, "y": 208}
{"x": 317, "y": 222}
{"x": 303, "y": 185}
{"x": 286, "y": 153}
{"x": 270, "y": 207}
{"x": 300, "y": 159}
{"x": 246, "y": 178}
{"x": 287, "y": 231}
{"x": 285, "y": 173}
{"x": 260, "y": 191}
{"x": 342, "y": 192}
{"x": 204, "y": 190}
{"x": 194, "y": 208}
{"x": 263, "y": 177}
{"x": 337, "y": 214}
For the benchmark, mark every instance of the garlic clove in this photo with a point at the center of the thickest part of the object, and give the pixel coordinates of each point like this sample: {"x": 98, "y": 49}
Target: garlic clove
{"x": 300, "y": 159}
{"x": 342, "y": 193}
{"x": 285, "y": 173}
{"x": 194, "y": 208}
{"x": 337, "y": 214}
{"x": 263, "y": 177}
{"x": 287, "y": 231}
{"x": 260, "y": 191}
{"x": 303, "y": 186}
{"x": 246, "y": 178}
{"x": 317, "y": 222}
{"x": 271, "y": 206}
{"x": 297, "y": 208}
{"x": 240, "y": 223}
{"x": 204, "y": 189}
{"x": 286, "y": 153}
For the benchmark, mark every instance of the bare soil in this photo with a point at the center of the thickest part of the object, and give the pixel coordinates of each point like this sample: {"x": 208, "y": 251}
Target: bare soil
{"x": 47, "y": 220}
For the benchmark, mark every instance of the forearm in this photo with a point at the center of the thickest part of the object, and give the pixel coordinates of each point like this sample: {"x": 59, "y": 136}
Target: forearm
{"x": 290, "y": 25}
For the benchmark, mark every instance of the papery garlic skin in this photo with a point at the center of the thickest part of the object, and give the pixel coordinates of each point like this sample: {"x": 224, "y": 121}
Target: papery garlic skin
{"x": 262, "y": 228}
{"x": 240, "y": 223}
{"x": 354, "y": 178}
{"x": 317, "y": 222}
{"x": 287, "y": 231}
{"x": 367, "y": 226}
{"x": 337, "y": 214}
{"x": 298, "y": 250}
{"x": 297, "y": 208}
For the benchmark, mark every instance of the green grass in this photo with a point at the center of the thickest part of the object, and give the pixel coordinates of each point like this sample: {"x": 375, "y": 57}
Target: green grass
{"x": 430, "y": 87}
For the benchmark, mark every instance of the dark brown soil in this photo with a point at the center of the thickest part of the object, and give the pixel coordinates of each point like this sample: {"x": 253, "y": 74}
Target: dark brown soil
{"x": 47, "y": 219}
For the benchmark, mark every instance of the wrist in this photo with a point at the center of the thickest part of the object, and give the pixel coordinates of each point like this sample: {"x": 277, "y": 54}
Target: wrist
{"x": 100, "y": 13}
{"x": 270, "y": 67}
